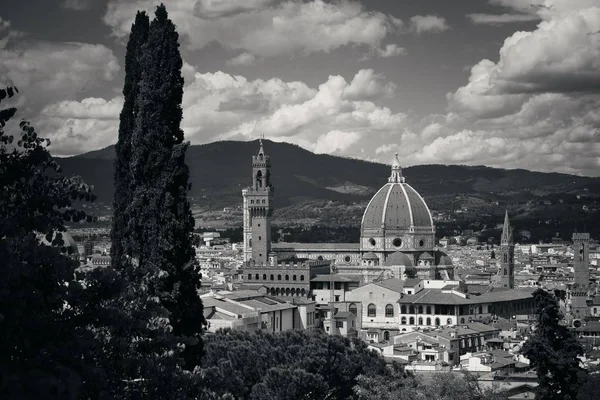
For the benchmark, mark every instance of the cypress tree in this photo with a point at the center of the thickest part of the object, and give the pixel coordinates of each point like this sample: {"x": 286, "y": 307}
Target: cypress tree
{"x": 120, "y": 238}
{"x": 159, "y": 209}
{"x": 553, "y": 351}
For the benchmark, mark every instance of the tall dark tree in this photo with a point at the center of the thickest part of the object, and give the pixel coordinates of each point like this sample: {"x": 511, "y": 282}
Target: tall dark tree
{"x": 121, "y": 232}
{"x": 553, "y": 351}
{"x": 45, "y": 353}
{"x": 159, "y": 210}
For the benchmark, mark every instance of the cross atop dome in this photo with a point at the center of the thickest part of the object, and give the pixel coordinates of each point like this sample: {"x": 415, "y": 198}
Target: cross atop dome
{"x": 396, "y": 176}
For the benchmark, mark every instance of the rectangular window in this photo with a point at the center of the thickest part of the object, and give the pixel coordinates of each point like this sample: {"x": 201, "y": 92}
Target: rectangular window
{"x": 337, "y": 298}
{"x": 339, "y": 324}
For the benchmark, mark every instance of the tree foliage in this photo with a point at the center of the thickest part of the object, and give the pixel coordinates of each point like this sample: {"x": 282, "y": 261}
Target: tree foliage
{"x": 45, "y": 353}
{"x": 553, "y": 351}
{"x": 160, "y": 312}
{"x": 289, "y": 365}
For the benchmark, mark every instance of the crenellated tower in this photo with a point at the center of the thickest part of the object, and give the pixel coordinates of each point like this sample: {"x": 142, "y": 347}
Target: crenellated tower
{"x": 258, "y": 208}
{"x": 507, "y": 255}
{"x": 579, "y": 291}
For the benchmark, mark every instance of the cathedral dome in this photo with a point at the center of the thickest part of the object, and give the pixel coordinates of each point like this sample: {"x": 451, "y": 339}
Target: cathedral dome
{"x": 396, "y": 206}
{"x": 398, "y": 258}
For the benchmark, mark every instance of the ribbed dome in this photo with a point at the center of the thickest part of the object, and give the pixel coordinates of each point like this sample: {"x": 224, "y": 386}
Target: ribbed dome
{"x": 398, "y": 258}
{"x": 396, "y": 206}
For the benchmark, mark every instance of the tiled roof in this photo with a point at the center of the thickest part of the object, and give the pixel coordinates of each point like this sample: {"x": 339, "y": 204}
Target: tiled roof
{"x": 282, "y": 246}
{"x": 225, "y": 305}
{"x": 394, "y": 284}
{"x": 336, "y": 278}
{"x": 265, "y": 307}
{"x": 435, "y": 296}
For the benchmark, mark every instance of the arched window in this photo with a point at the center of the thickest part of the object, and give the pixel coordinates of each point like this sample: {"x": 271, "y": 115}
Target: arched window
{"x": 287, "y": 277}
{"x": 420, "y": 308}
{"x": 462, "y": 320}
{"x": 428, "y": 309}
{"x": 411, "y": 321}
{"x": 437, "y": 322}
{"x": 277, "y": 291}
{"x": 294, "y": 278}
{"x": 353, "y": 309}
{"x": 428, "y": 321}
{"x": 293, "y": 291}
{"x": 449, "y": 321}
{"x": 259, "y": 178}
{"x": 264, "y": 277}
{"x": 403, "y": 309}
{"x": 301, "y": 278}
{"x": 403, "y": 321}
{"x": 272, "y": 277}
{"x": 287, "y": 291}
{"x": 249, "y": 277}
{"x": 386, "y": 336}
{"x": 371, "y": 310}
{"x": 389, "y": 311}
{"x": 505, "y": 256}
{"x": 420, "y": 320}
{"x": 411, "y": 309}
{"x": 278, "y": 277}
{"x": 480, "y": 309}
{"x": 303, "y": 292}
{"x": 256, "y": 277}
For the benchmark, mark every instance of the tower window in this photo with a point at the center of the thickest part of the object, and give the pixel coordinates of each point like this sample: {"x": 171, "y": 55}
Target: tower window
{"x": 421, "y": 243}
{"x": 397, "y": 242}
{"x": 287, "y": 277}
{"x": 372, "y": 242}
{"x": 260, "y": 237}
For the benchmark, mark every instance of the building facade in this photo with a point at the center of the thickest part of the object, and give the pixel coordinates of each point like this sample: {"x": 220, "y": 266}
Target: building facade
{"x": 397, "y": 234}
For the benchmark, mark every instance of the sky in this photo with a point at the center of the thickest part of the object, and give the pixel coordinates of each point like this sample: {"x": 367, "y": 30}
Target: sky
{"x": 503, "y": 83}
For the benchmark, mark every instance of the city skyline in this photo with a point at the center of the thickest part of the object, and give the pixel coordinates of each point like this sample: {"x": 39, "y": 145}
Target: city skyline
{"x": 504, "y": 83}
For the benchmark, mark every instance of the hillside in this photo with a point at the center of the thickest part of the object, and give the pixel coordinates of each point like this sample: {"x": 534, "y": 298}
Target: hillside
{"x": 304, "y": 180}
{"x": 223, "y": 169}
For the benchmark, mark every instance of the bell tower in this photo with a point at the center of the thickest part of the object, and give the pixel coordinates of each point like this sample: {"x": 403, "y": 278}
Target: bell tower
{"x": 258, "y": 208}
{"x": 581, "y": 267}
{"x": 507, "y": 255}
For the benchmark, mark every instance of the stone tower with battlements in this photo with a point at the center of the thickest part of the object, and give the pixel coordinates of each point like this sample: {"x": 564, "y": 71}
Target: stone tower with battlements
{"x": 507, "y": 255}
{"x": 581, "y": 267}
{"x": 258, "y": 209}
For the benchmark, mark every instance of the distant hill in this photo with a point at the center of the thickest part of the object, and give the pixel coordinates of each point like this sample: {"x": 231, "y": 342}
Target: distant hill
{"x": 220, "y": 170}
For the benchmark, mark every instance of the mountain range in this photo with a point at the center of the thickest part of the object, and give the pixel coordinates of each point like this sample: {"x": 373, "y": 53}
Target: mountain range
{"x": 220, "y": 170}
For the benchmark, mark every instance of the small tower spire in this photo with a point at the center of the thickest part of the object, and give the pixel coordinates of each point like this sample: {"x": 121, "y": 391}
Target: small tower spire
{"x": 396, "y": 176}
{"x": 261, "y": 151}
{"x": 506, "y": 231}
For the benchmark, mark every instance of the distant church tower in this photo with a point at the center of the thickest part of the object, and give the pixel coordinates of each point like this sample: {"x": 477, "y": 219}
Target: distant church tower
{"x": 258, "y": 208}
{"x": 581, "y": 267}
{"x": 507, "y": 255}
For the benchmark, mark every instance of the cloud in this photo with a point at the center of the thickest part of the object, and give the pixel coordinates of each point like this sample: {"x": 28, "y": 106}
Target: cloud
{"x": 367, "y": 84}
{"x": 428, "y": 24}
{"x": 537, "y": 106}
{"x": 266, "y": 28}
{"x": 75, "y": 127}
{"x": 335, "y": 142}
{"x": 7, "y": 34}
{"x": 49, "y": 71}
{"x": 499, "y": 19}
{"x": 77, "y": 5}
{"x": 242, "y": 59}
{"x": 222, "y": 8}
{"x": 390, "y": 50}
